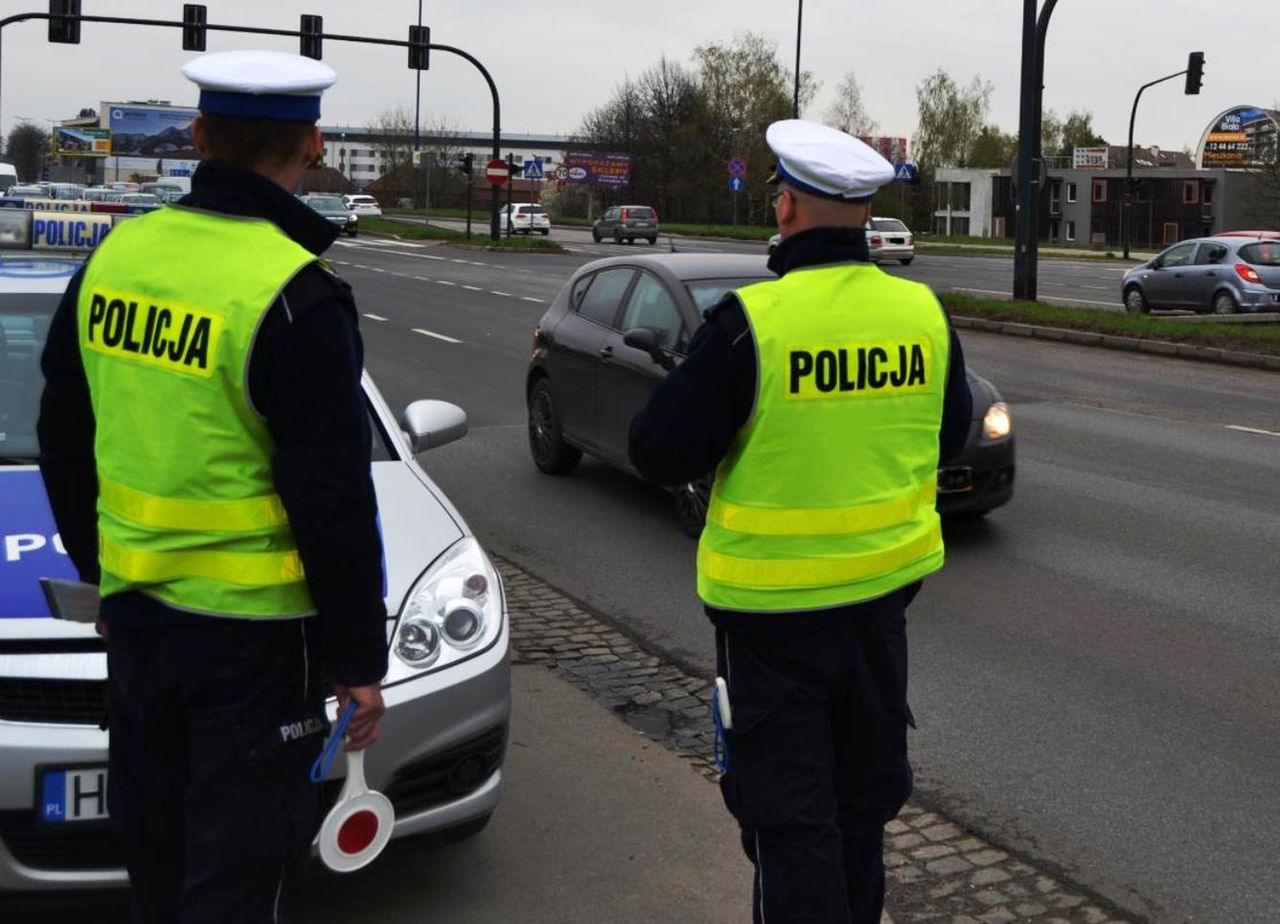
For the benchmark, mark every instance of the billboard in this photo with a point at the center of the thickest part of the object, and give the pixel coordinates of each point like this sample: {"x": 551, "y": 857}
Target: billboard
{"x": 152, "y": 132}
{"x": 1096, "y": 158}
{"x": 82, "y": 142}
{"x": 1244, "y": 137}
{"x": 894, "y": 150}
{"x": 586, "y": 168}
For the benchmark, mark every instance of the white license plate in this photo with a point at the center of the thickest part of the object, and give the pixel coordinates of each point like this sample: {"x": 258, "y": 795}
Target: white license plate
{"x": 73, "y": 795}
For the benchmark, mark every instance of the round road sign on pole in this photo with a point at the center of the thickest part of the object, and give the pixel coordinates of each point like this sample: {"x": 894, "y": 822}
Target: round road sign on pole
{"x": 497, "y": 172}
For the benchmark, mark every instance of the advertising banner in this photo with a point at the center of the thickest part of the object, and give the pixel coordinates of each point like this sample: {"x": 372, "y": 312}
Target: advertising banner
{"x": 1244, "y": 137}
{"x": 1098, "y": 158}
{"x": 894, "y": 150}
{"x": 586, "y": 168}
{"x": 82, "y": 142}
{"x": 151, "y": 132}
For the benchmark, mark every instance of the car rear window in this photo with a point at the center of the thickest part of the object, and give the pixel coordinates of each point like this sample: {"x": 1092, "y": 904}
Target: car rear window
{"x": 706, "y": 292}
{"x": 1261, "y": 254}
{"x": 326, "y": 202}
{"x": 888, "y": 224}
{"x": 639, "y": 211}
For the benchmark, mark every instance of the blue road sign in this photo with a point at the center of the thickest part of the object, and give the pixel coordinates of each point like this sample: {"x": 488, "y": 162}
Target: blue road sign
{"x": 906, "y": 173}
{"x": 533, "y": 170}
{"x": 737, "y": 184}
{"x": 737, "y": 167}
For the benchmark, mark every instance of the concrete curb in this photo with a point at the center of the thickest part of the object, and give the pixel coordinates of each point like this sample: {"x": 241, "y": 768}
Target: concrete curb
{"x": 1130, "y": 344}
{"x": 937, "y": 869}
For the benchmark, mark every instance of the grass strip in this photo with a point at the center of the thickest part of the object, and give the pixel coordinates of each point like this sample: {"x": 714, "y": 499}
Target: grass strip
{"x": 479, "y": 239}
{"x": 1249, "y": 338}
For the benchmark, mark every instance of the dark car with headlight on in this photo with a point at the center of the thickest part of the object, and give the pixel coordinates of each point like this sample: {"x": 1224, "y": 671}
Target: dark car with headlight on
{"x": 447, "y": 689}
{"x": 618, "y": 324}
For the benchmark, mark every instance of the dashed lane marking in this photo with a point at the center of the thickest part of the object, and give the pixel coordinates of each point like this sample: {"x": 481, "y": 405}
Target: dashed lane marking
{"x": 446, "y": 282}
{"x": 374, "y": 317}
{"x": 1252, "y": 430}
{"x": 503, "y": 294}
{"x": 473, "y": 288}
{"x": 428, "y": 333}
{"x": 526, "y": 298}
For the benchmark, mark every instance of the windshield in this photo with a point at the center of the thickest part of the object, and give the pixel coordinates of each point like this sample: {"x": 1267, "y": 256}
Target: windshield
{"x": 363, "y": 200}
{"x": 24, "y": 321}
{"x": 66, "y": 192}
{"x": 706, "y": 292}
{"x": 326, "y": 203}
{"x": 887, "y": 224}
{"x": 1261, "y": 254}
{"x": 140, "y": 199}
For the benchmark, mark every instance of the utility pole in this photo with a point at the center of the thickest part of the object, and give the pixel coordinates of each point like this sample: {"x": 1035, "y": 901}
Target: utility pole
{"x": 1029, "y": 166}
{"x": 795, "y": 100}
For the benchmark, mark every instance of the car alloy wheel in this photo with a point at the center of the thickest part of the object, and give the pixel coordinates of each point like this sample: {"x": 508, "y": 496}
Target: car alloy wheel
{"x": 1135, "y": 302}
{"x": 546, "y": 443}
{"x": 1224, "y": 303}
{"x": 692, "y": 500}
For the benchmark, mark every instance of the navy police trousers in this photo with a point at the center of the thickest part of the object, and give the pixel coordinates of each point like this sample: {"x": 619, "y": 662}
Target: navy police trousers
{"x": 214, "y": 725}
{"x": 818, "y": 761}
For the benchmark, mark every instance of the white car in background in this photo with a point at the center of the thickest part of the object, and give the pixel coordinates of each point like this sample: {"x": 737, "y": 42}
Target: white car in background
{"x": 887, "y": 239}
{"x": 525, "y": 218}
{"x": 363, "y": 205}
{"x": 447, "y": 690}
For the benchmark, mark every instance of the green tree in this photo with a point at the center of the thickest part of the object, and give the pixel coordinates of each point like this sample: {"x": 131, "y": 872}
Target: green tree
{"x": 27, "y": 147}
{"x": 950, "y": 119}
{"x": 1050, "y": 134}
{"x": 993, "y": 148}
{"x": 1077, "y": 132}
{"x": 848, "y": 112}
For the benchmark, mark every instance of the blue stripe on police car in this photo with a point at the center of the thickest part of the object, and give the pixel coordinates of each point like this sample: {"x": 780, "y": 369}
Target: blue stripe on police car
{"x": 31, "y": 546}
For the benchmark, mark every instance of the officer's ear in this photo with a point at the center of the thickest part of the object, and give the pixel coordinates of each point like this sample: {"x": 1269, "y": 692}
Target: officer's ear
{"x": 199, "y": 137}
{"x": 315, "y": 149}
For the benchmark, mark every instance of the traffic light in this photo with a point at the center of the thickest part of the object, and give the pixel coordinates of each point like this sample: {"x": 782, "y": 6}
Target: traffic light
{"x": 312, "y": 29}
{"x": 419, "y": 53}
{"x": 466, "y": 162}
{"x": 194, "y": 17}
{"x": 64, "y": 21}
{"x": 1195, "y": 72}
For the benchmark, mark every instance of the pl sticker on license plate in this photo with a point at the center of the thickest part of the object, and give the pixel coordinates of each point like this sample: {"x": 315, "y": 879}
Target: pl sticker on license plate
{"x": 73, "y": 795}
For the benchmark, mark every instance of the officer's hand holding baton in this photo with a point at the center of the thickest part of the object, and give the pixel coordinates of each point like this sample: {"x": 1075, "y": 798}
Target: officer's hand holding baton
{"x": 362, "y": 730}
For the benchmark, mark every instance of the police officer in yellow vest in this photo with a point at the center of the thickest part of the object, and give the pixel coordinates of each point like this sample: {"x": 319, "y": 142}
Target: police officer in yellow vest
{"x": 206, "y": 448}
{"x": 823, "y": 401}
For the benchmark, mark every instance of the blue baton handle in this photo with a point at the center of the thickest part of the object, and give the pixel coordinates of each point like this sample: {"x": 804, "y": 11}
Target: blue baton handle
{"x": 320, "y": 769}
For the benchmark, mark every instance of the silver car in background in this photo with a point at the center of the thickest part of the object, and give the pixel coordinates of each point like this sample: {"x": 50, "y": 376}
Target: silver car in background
{"x": 447, "y": 690}
{"x": 1222, "y": 275}
{"x": 890, "y": 239}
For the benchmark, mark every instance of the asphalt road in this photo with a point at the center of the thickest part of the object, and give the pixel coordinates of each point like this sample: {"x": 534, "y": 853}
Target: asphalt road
{"x": 1088, "y": 281}
{"x": 1094, "y": 671}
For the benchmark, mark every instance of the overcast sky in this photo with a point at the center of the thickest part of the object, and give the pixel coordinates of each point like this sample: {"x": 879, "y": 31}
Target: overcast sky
{"x": 554, "y": 60}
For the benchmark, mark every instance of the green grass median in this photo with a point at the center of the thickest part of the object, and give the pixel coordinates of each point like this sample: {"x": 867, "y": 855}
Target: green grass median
{"x": 1249, "y": 338}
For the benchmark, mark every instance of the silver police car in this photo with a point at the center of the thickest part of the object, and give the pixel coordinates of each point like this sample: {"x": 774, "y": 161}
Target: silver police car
{"x": 447, "y": 691}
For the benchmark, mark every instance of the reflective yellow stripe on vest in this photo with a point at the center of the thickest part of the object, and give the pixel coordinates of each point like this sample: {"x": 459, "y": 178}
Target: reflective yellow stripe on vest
{"x": 251, "y": 514}
{"x": 825, "y": 521}
{"x": 782, "y": 573}
{"x": 244, "y": 569}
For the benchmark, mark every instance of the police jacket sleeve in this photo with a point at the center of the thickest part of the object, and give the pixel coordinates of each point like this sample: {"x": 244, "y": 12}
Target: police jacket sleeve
{"x": 693, "y": 416}
{"x": 957, "y": 405}
{"x": 305, "y": 379}
{"x": 65, "y": 430}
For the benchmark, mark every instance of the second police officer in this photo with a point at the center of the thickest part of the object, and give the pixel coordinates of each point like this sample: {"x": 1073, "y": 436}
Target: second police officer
{"x": 823, "y": 401}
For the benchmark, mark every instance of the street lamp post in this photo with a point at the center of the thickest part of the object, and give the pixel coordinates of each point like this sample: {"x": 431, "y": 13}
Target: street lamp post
{"x": 417, "y": 105}
{"x": 795, "y": 99}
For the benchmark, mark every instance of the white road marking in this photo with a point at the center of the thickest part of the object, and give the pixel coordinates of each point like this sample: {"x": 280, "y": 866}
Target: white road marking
{"x": 427, "y": 333}
{"x": 375, "y": 317}
{"x": 526, "y": 298}
{"x": 473, "y": 288}
{"x": 1056, "y": 298}
{"x": 377, "y": 269}
{"x": 503, "y": 294}
{"x": 422, "y": 278}
{"x": 446, "y": 282}
{"x": 1252, "y": 430}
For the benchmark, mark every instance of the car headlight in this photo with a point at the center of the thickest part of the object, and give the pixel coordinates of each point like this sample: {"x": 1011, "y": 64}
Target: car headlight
{"x": 454, "y": 608}
{"x": 998, "y": 422}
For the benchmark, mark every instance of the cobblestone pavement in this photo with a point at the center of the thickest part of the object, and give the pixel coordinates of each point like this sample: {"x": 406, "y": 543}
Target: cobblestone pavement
{"x": 937, "y": 870}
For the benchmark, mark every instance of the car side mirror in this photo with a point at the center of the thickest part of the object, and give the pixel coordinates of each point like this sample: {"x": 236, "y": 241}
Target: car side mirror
{"x": 642, "y": 338}
{"x": 429, "y": 424}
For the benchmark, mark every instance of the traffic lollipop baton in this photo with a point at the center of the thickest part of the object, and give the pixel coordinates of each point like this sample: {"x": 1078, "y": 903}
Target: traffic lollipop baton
{"x": 358, "y": 826}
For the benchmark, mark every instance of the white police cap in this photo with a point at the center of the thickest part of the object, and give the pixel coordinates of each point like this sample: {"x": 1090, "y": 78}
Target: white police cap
{"x": 260, "y": 84}
{"x": 826, "y": 162}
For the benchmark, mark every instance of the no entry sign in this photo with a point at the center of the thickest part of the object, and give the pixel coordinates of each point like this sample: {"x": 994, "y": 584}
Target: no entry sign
{"x": 497, "y": 172}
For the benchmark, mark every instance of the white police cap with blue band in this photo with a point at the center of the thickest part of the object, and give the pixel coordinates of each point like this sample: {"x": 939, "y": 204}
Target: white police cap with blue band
{"x": 825, "y": 161}
{"x": 260, "y": 85}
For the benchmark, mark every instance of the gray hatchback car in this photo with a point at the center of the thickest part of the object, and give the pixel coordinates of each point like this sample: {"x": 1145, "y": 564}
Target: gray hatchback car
{"x": 1222, "y": 275}
{"x": 626, "y": 223}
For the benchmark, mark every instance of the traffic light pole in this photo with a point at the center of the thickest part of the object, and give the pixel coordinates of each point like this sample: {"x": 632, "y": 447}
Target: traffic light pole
{"x": 255, "y": 30}
{"x": 1026, "y": 245}
{"x": 1127, "y": 206}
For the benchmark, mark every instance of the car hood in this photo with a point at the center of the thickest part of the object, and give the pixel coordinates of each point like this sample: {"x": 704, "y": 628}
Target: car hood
{"x": 984, "y": 394}
{"x": 417, "y": 526}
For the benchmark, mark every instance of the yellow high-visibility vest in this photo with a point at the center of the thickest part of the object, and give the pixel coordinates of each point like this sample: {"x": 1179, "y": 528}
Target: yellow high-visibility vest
{"x": 827, "y": 496}
{"x": 169, "y": 308}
